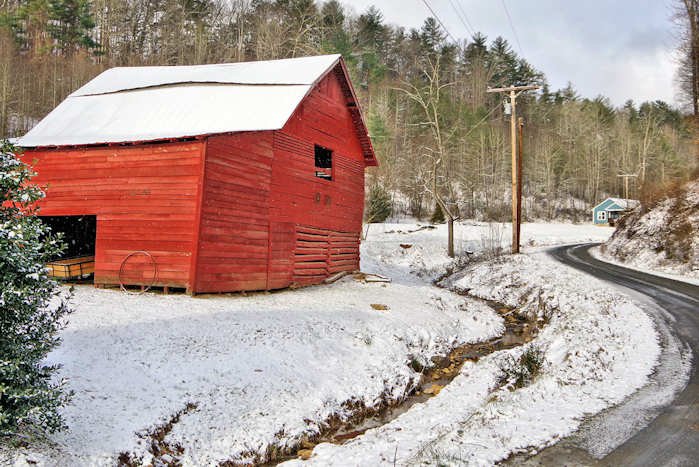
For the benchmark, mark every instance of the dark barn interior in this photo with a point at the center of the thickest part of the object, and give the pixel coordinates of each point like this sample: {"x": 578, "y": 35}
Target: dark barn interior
{"x": 79, "y": 234}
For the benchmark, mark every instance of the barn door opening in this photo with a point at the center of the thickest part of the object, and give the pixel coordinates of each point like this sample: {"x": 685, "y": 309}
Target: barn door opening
{"x": 79, "y": 234}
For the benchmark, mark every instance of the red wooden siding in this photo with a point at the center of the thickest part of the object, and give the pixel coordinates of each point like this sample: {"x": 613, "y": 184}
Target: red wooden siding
{"x": 144, "y": 197}
{"x": 241, "y": 211}
{"x": 322, "y": 210}
{"x": 234, "y": 245}
{"x": 320, "y": 253}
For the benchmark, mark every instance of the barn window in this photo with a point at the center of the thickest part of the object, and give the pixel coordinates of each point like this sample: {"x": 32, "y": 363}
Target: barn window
{"x": 324, "y": 162}
{"x": 602, "y": 215}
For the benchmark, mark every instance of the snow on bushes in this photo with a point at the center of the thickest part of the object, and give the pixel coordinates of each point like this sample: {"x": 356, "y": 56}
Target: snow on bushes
{"x": 31, "y": 309}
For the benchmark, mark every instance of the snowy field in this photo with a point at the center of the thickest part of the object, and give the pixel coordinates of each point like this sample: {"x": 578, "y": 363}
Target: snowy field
{"x": 268, "y": 369}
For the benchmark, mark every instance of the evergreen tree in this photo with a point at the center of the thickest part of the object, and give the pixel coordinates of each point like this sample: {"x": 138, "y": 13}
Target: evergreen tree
{"x": 437, "y": 215}
{"x": 29, "y": 316}
{"x": 70, "y": 24}
{"x": 379, "y": 204}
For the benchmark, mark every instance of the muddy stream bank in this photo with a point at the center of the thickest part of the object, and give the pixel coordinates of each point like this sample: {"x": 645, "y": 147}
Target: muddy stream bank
{"x": 441, "y": 371}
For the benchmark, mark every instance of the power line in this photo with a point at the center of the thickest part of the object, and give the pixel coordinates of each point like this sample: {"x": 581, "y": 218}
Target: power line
{"x": 512, "y": 26}
{"x": 468, "y": 30}
{"x": 463, "y": 12}
{"x": 439, "y": 20}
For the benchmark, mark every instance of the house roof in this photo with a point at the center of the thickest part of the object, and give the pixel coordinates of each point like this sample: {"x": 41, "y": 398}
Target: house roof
{"x": 618, "y": 204}
{"x": 136, "y": 104}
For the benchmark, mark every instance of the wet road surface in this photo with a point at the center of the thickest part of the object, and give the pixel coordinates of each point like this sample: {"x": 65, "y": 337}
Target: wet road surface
{"x": 671, "y": 433}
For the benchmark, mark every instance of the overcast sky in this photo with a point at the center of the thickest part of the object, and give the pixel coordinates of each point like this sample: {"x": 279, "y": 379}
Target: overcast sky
{"x": 623, "y": 49}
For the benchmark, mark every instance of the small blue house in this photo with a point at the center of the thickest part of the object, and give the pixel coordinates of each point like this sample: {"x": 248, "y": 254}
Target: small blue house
{"x": 609, "y": 210}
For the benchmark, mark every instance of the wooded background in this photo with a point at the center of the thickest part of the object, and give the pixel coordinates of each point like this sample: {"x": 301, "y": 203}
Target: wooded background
{"x": 435, "y": 130}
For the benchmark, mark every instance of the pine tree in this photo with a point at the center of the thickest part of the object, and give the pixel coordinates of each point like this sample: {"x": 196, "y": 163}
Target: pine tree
{"x": 71, "y": 25}
{"x": 32, "y": 308}
{"x": 437, "y": 215}
{"x": 379, "y": 204}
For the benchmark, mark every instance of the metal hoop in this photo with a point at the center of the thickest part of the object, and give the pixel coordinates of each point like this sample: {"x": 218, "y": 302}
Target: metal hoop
{"x": 121, "y": 270}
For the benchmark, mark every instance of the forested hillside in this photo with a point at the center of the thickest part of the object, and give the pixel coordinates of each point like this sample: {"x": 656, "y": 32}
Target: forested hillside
{"x": 435, "y": 129}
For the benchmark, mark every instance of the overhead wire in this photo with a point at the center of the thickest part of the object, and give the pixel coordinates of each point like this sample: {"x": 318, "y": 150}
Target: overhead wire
{"x": 512, "y": 26}
{"x": 439, "y": 21}
{"x": 463, "y": 12}
{"x": 469, "y": 31}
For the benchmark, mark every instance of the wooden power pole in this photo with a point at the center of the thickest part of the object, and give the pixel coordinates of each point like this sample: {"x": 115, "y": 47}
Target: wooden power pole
{"x": 626, "y": 185}
{"x": 515, "y": 91}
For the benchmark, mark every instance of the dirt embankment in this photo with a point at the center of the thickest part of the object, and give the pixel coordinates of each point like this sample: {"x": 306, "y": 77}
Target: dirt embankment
{"x": 662, "y": 233}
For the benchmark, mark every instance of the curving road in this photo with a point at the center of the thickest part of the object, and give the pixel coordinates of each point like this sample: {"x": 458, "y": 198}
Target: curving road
{"x": 669, "y": 434}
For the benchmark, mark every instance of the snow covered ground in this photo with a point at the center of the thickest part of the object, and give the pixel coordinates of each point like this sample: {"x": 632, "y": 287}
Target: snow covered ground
{"x": 599, "y": 347}
{"x": 269, "y": 368}
{"x": 255, "y": 366}
{"x": 597, "y": 254}
{"x": 664, "y": 239}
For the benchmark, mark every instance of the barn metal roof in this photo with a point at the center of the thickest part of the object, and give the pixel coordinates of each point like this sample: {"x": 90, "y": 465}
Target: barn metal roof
{"x": 291, "y": 71}
{"x": 138, "y": 104}
{"x": 165, "y": 112}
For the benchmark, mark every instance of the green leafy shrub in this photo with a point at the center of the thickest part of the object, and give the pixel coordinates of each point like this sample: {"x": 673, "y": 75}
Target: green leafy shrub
{"x": 32, "y": 308}
{"x": 380, "y": 205}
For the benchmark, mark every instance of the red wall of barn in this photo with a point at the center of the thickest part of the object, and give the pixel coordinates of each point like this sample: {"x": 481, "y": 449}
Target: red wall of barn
{"x": 145, "y": 197}
{"x": 315, "y": 223}
{"x": 267, "y": 221}
{"x": 234, "y": 231}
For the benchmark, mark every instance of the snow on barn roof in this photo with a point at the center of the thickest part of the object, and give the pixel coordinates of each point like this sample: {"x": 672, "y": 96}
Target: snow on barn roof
{"x": 134, "y": 104}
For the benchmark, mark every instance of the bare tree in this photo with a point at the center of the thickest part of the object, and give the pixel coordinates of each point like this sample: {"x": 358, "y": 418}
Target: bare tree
{"x": 439, "y": 181}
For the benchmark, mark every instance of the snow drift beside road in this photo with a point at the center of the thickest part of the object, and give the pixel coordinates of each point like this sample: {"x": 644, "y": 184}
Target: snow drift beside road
{"x": 599, "y": 347}
{"x": 266, "y": 369}
{"x": 665, "y": 238}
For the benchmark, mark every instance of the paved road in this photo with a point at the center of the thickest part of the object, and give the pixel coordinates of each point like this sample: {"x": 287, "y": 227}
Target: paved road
{"x": 672, "y": 438}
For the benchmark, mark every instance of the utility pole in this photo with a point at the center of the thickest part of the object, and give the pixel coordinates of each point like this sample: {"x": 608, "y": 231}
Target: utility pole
{"x": 515, "y": 91}
{"x": 520, "y": 125}
{"x": 626, "y": 185}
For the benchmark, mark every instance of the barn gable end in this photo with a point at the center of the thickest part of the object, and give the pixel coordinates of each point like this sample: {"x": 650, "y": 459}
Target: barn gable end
{"x": 315, "y": 220}
{"x": 267, "y": 220}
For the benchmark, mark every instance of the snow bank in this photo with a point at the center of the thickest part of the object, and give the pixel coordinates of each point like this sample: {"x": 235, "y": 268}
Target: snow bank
{"x": 270, "y": 368}
{"x": 599, "y": 347}
{"x": 262, "y": 369}
{"x": 666, "y": 238}
{"x": 426, "y": 255}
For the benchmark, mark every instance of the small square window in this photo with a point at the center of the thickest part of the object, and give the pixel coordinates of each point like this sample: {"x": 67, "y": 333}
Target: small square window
{"x": 324, "y": 162}
{"x": 602, "y": 215}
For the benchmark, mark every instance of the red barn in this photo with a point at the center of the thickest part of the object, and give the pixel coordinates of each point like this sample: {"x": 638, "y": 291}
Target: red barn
{"x": 243, "y": 176}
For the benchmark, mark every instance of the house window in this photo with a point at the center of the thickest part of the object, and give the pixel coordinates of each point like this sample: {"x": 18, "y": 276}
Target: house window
{"x": 324, "y": 162}
{"x": 602, "y": 216}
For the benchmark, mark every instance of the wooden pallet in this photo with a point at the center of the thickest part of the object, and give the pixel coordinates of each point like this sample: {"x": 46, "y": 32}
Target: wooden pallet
{"x": 73, "y": 268}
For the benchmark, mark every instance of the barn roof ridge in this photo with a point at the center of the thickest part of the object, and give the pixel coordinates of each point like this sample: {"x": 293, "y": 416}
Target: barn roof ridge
{"x": 287, "y": 71}
{"x": 188, "y": 83}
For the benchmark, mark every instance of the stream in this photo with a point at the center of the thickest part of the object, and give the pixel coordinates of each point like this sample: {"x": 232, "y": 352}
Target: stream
{"x": 518, "y": 331}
